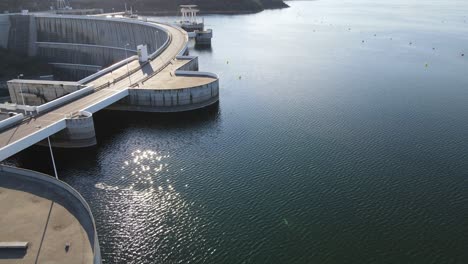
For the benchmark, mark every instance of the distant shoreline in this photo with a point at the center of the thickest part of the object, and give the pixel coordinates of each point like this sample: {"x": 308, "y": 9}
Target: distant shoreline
{"x": 156, "y": 8}
{"x": 207, "y": 12}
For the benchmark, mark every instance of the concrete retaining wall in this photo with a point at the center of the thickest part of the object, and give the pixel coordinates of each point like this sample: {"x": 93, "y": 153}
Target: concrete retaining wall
{"x": 192, "y": 65}
{"x": 36, "y": 92}
{"x": 169, "y": 100}
{"x": 64, "y": 99}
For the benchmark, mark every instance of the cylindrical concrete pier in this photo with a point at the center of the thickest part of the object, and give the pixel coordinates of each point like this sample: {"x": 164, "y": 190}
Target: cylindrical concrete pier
{"x": 79, "y": 133}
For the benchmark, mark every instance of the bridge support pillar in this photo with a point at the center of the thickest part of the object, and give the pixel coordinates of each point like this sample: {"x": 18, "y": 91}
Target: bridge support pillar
{"x": 79, "y": 133}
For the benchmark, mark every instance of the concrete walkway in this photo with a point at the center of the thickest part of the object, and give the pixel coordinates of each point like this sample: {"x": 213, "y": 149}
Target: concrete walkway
{"x": 166, "y": 79}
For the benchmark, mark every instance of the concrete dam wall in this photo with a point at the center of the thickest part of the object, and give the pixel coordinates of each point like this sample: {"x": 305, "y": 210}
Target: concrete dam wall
{"x": 90, "y": 43}
{"x": 4, "y": 31}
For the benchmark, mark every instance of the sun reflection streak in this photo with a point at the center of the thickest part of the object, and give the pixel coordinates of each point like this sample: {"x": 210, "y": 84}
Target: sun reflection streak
{"x": 150, "y": 204}
{"x": 145, "y": 168}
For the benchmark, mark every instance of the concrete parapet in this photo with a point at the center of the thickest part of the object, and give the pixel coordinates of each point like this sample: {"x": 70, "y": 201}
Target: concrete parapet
{"x": 11, "y": 121}
{"x": 64, "y": 99}
{"x": 170, "y": 100}
{"x": 196, "y": 74}
{"x": 192, "y": 65}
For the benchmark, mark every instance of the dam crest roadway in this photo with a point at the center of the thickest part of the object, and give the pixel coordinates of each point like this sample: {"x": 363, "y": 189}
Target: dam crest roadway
{"x": 165, "y": 80}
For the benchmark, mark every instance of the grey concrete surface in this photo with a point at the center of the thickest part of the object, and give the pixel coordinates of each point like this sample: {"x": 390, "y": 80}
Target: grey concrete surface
{"x": 37, "y": 92}
{"x": 48, "y": 218}
{"x": 99, "y": 42}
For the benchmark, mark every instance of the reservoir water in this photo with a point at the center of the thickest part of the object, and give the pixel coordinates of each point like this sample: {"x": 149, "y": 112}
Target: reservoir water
{"x": 340, "y": 137}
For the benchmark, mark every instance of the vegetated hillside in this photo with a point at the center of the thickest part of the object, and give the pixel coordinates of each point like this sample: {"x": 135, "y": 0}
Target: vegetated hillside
{"x": 149, "y": 6}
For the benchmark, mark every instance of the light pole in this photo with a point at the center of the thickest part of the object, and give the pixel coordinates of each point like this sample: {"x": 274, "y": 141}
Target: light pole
{"x": 21, "y": 91}
{"x": 126, "y": 57}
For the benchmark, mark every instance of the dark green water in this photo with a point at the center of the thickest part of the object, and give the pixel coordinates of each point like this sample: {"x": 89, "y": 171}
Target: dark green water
{"x": 340, "y": 137}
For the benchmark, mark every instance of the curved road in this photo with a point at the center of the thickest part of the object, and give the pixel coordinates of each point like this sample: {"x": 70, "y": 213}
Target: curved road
{"x": 178, "y": 41}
